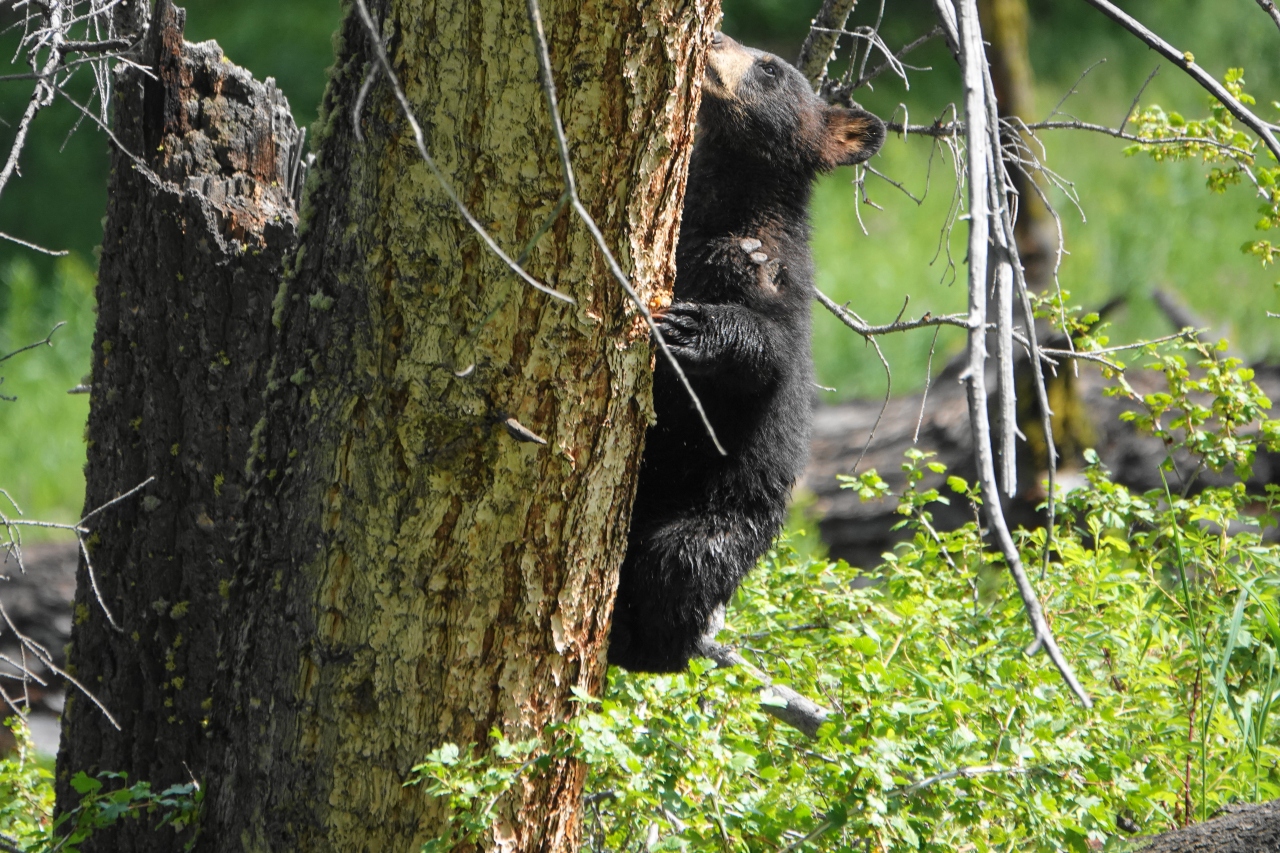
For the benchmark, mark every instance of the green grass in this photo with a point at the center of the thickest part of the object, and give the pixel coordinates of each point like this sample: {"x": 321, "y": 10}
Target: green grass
{"x": 42, "y": 452}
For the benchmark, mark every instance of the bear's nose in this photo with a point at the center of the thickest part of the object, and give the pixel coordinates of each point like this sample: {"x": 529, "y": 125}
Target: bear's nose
{"x": 717, "y": 39}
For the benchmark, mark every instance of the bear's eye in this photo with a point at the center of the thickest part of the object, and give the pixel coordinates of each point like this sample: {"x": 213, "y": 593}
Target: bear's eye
{"x": 769, "y": 69}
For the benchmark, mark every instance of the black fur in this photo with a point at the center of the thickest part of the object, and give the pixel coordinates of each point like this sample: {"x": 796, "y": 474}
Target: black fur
{"x": 740, "y": 328}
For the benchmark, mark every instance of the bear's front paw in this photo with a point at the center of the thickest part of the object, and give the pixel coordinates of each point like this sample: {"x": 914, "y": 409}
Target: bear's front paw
{"x": 682, "y": 325}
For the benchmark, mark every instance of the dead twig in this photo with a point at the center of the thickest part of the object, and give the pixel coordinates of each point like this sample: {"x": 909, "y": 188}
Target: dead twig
{"x": 982, "y": 159}
{"x": 47, "y": 341}
{"x": 781, "y": 701}
{"x": 858, "y": 325}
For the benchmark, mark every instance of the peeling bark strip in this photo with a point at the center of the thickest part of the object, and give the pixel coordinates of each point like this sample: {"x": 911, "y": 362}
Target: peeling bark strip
{"x": 197, "y": 227}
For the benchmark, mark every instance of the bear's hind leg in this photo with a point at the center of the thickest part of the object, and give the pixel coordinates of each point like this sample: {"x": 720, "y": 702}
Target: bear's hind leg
{"x": 674, "y": 581}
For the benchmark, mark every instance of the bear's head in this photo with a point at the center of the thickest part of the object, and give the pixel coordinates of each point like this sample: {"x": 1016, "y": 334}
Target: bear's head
{"x": 762, "y": 108}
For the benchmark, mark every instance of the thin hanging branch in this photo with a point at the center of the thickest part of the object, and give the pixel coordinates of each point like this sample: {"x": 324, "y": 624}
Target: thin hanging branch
{"x": 571, "y": 195}
{"x": 380, "y": 57}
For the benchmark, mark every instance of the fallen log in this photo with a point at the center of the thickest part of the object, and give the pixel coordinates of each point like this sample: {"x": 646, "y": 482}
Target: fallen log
{"x": 859, "y": 532}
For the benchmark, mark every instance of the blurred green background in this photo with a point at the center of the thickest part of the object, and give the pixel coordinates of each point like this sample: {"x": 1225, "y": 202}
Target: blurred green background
{"x": 1145, "y": 225}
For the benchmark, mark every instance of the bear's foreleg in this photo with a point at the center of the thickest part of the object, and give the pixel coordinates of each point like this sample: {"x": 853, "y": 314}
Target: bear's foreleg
{"x": 727, "y": 342}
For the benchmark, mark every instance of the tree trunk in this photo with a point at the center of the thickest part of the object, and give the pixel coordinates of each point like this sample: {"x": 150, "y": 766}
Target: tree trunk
{"x": 349, "y": 556}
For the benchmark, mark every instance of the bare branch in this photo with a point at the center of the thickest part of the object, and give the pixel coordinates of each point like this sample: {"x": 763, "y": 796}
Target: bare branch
{"x": 956, "y": 129}
{"x": 117, "y": 500}
{"x": 781, "y": 701}
{"x": 958, "y": 773}
{"x": 1186, "y": 61}
{"x": 43, "y": 656}
{"x": 846, "y": 312}
{"x": 1270, "y": 8}
{"x": 57, "y": 253}
{"x": 93, "y": 582}
{"x": 48, "y": 341}
{"x": 96, "y": 46}
{"x": 892, "y": 62}
{"x": 1062, "y": 353}
{"x": 858, "y": 325}
{"x": 138, "y": 162}
{"x": 982, "y": 159}
{"x": 1134, "y": 106}
{"x": 928, "y": 380}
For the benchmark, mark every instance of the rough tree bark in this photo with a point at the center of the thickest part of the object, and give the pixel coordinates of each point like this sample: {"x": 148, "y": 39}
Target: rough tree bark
{"x": 350, "y": 555}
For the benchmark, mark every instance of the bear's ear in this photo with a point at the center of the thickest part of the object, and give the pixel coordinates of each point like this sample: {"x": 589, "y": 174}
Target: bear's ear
{"x": 852, "y": 136}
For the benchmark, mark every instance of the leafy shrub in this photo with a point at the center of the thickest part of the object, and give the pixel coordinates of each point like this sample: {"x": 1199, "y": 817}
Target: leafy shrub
{"x": 943, "y": 735}
{"x": 27, "y": 824}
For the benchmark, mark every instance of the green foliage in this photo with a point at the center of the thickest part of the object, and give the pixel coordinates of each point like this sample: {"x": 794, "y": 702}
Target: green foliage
{"x": 473, "y": 784}
{"x": 26, "y": 793}
{"x": 1206, "y": 412}
{"x": 1233, "y": 153}
{"x": 943, "y": 734}
{"x": 106, "y": 799}
{"x": 27, "y": 799}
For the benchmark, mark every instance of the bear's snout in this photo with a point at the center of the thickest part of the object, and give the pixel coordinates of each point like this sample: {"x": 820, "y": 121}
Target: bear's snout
{"x": 727, "y": 64}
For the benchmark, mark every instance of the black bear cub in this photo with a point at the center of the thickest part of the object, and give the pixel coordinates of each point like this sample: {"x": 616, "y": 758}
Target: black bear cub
{"x": 739, "y": 326}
